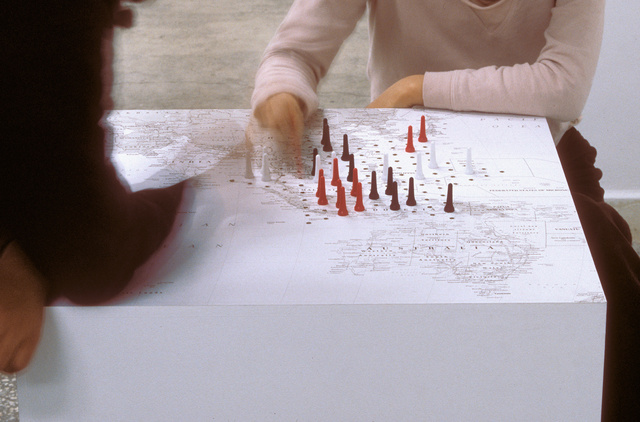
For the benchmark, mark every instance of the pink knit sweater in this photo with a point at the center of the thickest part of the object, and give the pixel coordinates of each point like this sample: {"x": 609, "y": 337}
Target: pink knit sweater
{"x": 533, "y": 57}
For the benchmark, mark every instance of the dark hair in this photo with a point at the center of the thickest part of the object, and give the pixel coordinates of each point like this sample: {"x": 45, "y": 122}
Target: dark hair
{"x": 52, "y": 62}
{"x": 50, "y": 76}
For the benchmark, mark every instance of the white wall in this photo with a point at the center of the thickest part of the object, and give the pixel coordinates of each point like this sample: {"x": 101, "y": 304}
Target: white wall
{"x": 612, "y": 115}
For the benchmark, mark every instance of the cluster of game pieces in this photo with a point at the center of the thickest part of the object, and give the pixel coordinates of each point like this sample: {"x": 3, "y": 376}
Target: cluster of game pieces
{"x": 352, "y": 177}
{"x": 356, "y": 187}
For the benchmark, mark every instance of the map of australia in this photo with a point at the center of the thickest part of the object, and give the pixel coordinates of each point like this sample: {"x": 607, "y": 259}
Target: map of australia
{"x": 246, "y": 237}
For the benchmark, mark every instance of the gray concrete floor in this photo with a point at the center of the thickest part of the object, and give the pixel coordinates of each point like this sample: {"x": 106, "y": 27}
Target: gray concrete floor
{"x": 204, "y": 54}
{"x": 184, "y": 54}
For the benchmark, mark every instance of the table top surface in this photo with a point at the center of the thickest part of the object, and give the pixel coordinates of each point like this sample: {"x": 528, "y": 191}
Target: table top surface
{"x": 513, "y": 241}
{"x": 246, "y": 238}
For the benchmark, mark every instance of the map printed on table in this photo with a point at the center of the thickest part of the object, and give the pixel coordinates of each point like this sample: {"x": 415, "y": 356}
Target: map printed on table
{"x": 251, "y": 230}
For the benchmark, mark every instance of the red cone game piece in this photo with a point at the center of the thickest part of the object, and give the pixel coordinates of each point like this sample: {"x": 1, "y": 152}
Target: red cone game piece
{"x": 410, "y": 147}
{"x": 322, "y": 193}
{"x": 355, "y": 182}
{"x": 423, "y": 131}
{"x": 320, "y": 174}
{"x": 342, "y": 211}
{"x": 359, "y": 204}
{"x": 336, "y": 173}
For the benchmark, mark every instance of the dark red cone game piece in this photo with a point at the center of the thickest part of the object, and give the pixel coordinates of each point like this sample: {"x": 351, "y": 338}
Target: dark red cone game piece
{"x": 395, "y": 205}
{"x": 411, "y": 199}
{"x": 345, "y": 148}
{"x": 373, "y": 194}
{"x": 355, "y": 182}
{"x": 326, "y": 139}
{"x": 389, "y": 189}
{"x": 449, "y": 205}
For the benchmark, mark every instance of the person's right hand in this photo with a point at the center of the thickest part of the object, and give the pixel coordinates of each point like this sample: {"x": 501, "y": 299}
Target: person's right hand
{"x": 282, "y": 112}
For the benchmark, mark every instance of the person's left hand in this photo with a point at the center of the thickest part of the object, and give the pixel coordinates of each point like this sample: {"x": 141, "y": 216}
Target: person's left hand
{"x": 22, "y": 300}
{"x": 407, "y": 92}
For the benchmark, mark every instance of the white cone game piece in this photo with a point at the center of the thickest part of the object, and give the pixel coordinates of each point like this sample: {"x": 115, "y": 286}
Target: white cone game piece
{"x": 433, "y": 162}
{"x": 315, "y": 176}
{"x": 419, "y": 173}
{"x": 469, "y": 169}
{"x": 248, "y": 171}
{"x": 266, "y": 172}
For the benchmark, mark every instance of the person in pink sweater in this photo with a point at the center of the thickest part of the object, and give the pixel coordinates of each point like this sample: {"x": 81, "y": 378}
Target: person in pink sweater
{"x": 521, "y": 57}
{"x": 530, "y": 57}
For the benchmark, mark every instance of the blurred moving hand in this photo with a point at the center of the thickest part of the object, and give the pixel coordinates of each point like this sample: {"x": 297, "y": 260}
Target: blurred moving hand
{"x": 283, "y": 113}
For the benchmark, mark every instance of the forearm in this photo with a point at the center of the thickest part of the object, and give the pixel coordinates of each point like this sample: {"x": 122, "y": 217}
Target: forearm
{"x": 539, "y": 90}
{"x": 556, "y": 85}
{"x": 300, "y": 53}
{"x": 286, "y": 74}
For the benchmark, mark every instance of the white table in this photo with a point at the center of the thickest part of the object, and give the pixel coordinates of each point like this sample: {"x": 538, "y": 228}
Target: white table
{"x": 264, "y": 305}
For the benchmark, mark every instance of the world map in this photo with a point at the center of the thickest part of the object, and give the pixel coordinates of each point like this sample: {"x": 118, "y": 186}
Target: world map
{"x": 514, "y": 236}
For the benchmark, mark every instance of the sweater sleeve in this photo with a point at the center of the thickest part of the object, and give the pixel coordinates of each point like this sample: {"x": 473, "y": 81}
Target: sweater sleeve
{"x": 555, "y": 86}
{"x": 303, "y": 48}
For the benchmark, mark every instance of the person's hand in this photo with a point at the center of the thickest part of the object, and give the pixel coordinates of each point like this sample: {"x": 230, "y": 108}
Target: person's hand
{"x": 407, "y": 92}
{"x": 282, "y": 112}
{"x": 22, "y": 300}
